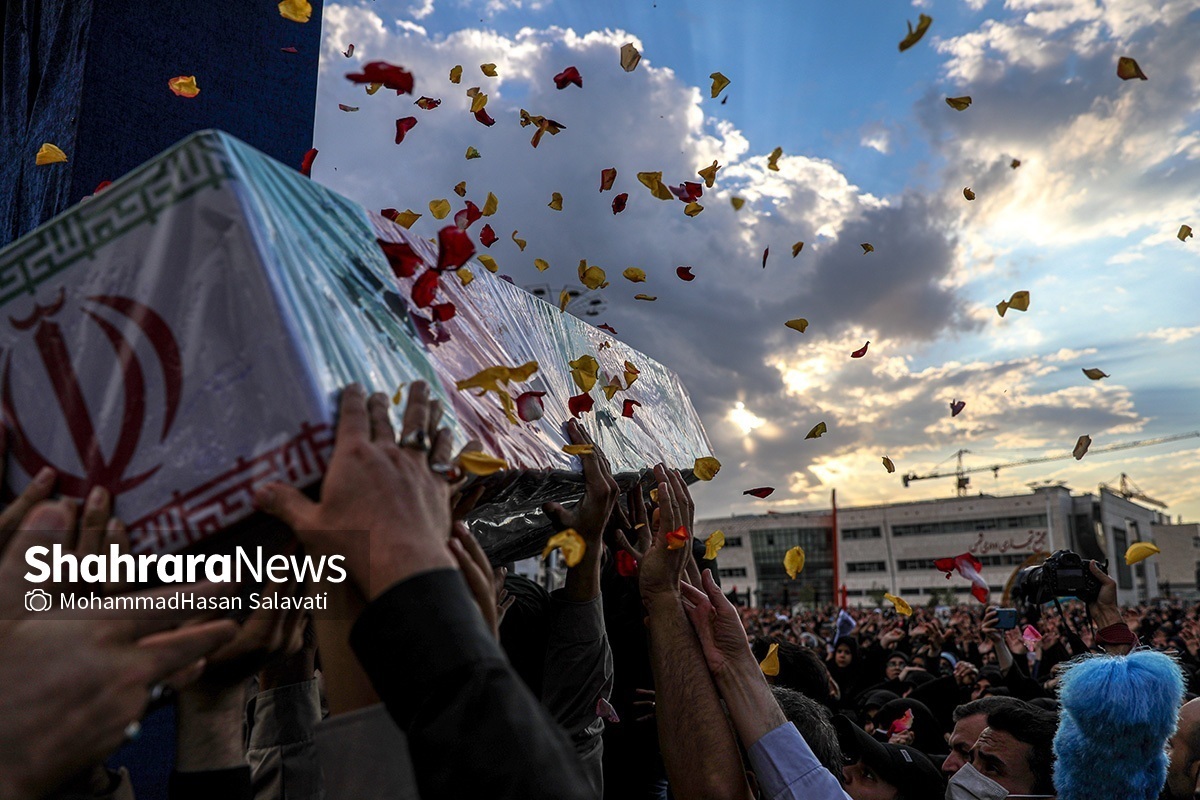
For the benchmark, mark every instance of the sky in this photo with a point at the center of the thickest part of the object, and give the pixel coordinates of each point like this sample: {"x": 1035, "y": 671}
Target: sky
{"x": 871, "y": 153}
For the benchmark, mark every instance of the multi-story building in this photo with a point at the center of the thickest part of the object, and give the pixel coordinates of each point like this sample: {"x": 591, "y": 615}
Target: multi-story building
{"x": 1179, "y": 562}
{"x": 892, "y": 547}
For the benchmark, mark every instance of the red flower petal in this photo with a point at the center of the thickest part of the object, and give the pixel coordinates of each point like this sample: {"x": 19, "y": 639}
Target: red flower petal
{"x": 766, "y": 252}
{"x": 627, "y": 565}
{"x": 425, "y": 288}
{"x": 403, "y": 126}
{"x": 760, "y": 492}
{"x": 484, "y": 118}
{"x": 389, "y": 75}
{"x": 403, "y": 260}
{"x": 101, "y": 186}
{"x": 580, "y": 404}
{"x": 627, "y": 408}
{"x": 568, "y": 76}
{"x": 427, "y": 103}
{"x": 430, "y": 332}
{"x": 307, "y": 162}
{"x": 468, "y": 216}
{"x": 443, "y": 311}
{"x": 454, "y": 247}
{"x": 957, "y": 406}
{"x": 607, "y": 176}
{"x": 619, "y": 202}
{"x": 487, "y": 236}
{"x": 609, "y": 328}
{"x": 530, "y": 406}
{"x": 860, "y": 352}
{"x": 677, "y": 537}
{"x": 289, "y": 50}
{"x": 685, "y": 273}
{"x": 688, "y": 191}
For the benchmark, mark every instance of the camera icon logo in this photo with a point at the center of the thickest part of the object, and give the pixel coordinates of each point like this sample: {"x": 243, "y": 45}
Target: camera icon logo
{"x": 38, "y": 600}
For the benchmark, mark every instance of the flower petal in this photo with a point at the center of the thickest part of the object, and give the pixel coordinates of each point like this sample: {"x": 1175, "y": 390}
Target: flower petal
{"x": 296, "y": 10}
{"x": 685, "y": 273}
{"x": 773, "y": 159}
{"x": 713, "y": 545}
{"x": 580, "y": 404}
{"x": 488, "y": 69}
{"x": 760, "y": 492}
{"x": 530, "y": 407}
{"x": 568, "y": 76}
{"x": 817, "y": 432}
{"x": 439, "y": 208}
{"x": 709, "y": 174}
{"x": 519, "y": 242}
{"x": 629, "y": 57}
{"x": 956, "y": 407}
{"x": 489, "y": 263}
{"x": 487, "y": 236}
{"x": 184, "y": 86}
{"x": 1081, "y": 447}
{"x": 959, "y": 103}
{"x": 618, "y": 203}
{"x": 541, "y": 264}
{"x": 306, "y": 163}
{"x": 798, "y": 324}
{"x": 967, "y": 193}
{"x": 607, "y": 177}
{"x": 888, "y": 465}
{"x": 479, "y": 463}
{"x": 456, "y": 73}
{"x": 719, "y": 82}
{"x": 706, "y": 468}
{"x": 649, "y": 298}
{"x": 770, "y": 664}
{"x": 491, "y": 205}
{"x": 902, "y": 608}
{"x": 867, "y": 248}
{"x": 634, "y": 274}
{"x": 454, "y": 247}
{"x": 1128, "y": 69}
{"x": 425, "y": 288}
{"x": 472, "y": 153}
{"x": 628, "y": 406}
{"x": 860, "y": 352}
{"x": 1095, "y": 374}
{"x": 555, "y": 201}
{"x": 914, "y": 35}
{"x": 677, "y": 538}
{"x": 796, "y": 248}
{"x": 793, "y": 561}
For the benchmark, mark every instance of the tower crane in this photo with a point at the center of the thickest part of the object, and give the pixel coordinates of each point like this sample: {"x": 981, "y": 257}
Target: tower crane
{"x": 962, "y": 481}
{"x": 1130, "y": 491}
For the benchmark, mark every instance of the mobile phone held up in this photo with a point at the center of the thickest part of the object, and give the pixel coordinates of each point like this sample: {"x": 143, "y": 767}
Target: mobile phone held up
{"x": 1006, "y": 619}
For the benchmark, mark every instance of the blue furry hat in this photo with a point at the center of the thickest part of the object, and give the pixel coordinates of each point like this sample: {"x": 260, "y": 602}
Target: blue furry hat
{"x": 1117, "y": 714}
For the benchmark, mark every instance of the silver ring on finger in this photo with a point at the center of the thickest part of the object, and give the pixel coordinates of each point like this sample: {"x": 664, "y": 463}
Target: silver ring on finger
{"x": 416, "y": 440}
{"x": 133, "y": 730}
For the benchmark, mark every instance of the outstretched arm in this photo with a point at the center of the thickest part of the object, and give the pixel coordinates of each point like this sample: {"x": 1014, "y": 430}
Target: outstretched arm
{"x": 698, "y": 747}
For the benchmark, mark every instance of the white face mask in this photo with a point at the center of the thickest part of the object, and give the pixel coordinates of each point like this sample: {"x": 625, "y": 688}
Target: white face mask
{"x": 970, "y": 784}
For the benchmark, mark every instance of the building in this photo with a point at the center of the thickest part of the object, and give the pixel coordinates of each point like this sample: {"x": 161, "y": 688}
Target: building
{"x": 892, "y": 547}
{"x": 1179, "y": 563}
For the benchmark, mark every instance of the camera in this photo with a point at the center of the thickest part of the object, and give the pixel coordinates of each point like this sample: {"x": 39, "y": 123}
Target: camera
{"x": 1063, "y": 574}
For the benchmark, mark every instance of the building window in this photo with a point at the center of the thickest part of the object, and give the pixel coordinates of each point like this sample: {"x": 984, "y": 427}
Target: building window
{"x": 850, "y": 534}
{"x": 866, "y": 566}
{"x": 1121, "y": 544}
{"x": 733, "y": 572}
{"x": 733, "y": 541}
{"x": 970, "y": 525}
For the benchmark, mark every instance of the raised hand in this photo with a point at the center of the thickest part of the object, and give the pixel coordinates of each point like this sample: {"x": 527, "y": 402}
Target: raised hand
{"x": 588, "y": 517}
{"x": 486, "y": 584}
{"x": 662, "y": 565}
{"x": 717, "y": 624}
{"x": 375, "y": 486}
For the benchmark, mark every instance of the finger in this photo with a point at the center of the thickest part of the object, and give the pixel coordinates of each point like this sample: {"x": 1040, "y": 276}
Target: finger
{"x": 715, "y": 595}
{"x": 624, "y": 544}
{"x": 435, "y": 417}
{"x": 505, "y": 604}
{"x": 682, "y": 497}
{"x": 557, "y": 515}
{"x": 443, "y": 448}
{"x": 474, "y": 549}
{"x": 37, "y": 491}
{"x": 477, "y": 579}
{"x": 96, "y": 511}
{"x": 353, "y": 422}
{"x": 379, "y": 414}
{"x": 287, "y": 503}
{"x": 465, "y": 502}
{"x": 416, "y": 411}
{"x": 646, "y": 692}
{"x": 693, "y": 595}
{"x": 167, "y": 653}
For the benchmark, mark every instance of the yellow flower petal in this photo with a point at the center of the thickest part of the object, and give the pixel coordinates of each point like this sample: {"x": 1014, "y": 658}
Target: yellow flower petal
{"x": 770, "y": 664}
{"x": 818, "y": 431}
{"x": 571, "y": 543}
{"x": 737, "y": 203}
{"x": 184, "y": 85}
{"x": 579, "y": 449}
{"x": 773, "y": 159}
{"x": 488, "y": 69}
{"x": 592, "y": 277}
{"x": 793, "y": 561}
{"x": 478, "y": 102}
{"x": 555, "y": 201}
{"x": 49, "y": 154}
{"x": 479, "y": 463}
{"x": 296, "y": 10}
{"x": 472, "y": 153}
{"x": 464, "y": 275}
{"x": 564, "y": 300}
{"x": 488, "y": 262}
{"x": 902, "y": 608}
{"x": 800, "y": 324}
{"x": 649, "y": 298}
{"x": 519, "y": 242}
{"x": 706, "y": 468}
{"x": 959, "y": 103}
{"x": 456, "y": 73}
{"x": 439, "y": 208}
{"x": 631, "y": 374}
{"x": 692, "y": 209}
{"x": 709, "y": 174}
{"x": 1019, "y": 301}
{"x": 490, "y": 206}
{"x": 719, "y": 82}
{"x": 460, "y": 188}
{"x": 1140, "y": 551}
{"x": 372, "y": 88}
{"x": 541, "y": 264}
{"x": 713, "y": 545}
{"x": 888, "y": 465}
{"x": 914, "y": 35}
{"x": 867, "y": 248}
{"x": 629, "y": 57}
{"x": 1185, "y": 232}
{"x": 796, "y": 248}
{"x": 653, "y": 182}
{"x": 398, "y": 394}
{"x": 634, "y": 274}
{"x": 584, "y": 371}
{"x": 407, "y": 217}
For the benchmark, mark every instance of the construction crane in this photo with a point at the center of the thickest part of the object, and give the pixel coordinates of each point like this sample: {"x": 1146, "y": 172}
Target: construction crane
{"x": 1130, "y": 491}
{"x": 962, "y": 481}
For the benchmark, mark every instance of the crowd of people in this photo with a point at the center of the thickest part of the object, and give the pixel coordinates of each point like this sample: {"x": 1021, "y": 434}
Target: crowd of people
{"x": 441, "y": 675}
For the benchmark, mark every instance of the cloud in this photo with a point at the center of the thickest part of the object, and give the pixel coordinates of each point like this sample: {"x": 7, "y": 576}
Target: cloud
{"x": 421, "y": 10}
{"x": 1171, "y": 335}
